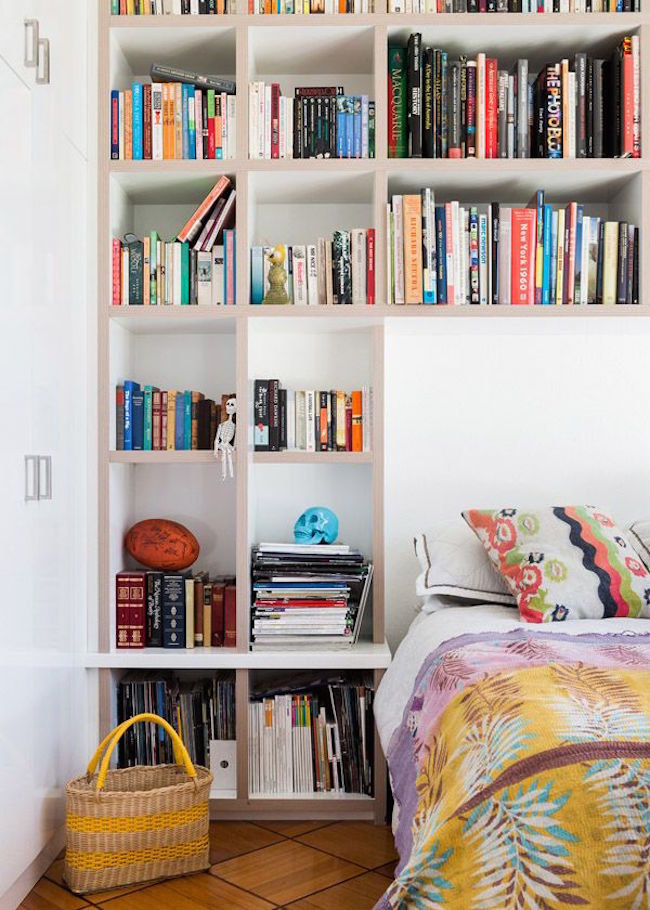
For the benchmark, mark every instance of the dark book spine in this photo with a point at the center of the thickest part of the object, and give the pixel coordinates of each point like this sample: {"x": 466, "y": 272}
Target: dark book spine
{"x": 437, "y": 98}
{"x": 427, "y": 104}
{"x": 261, "y": 415}
{"x": 297, "y": 128}
{"x": 397, "y": 103}
{"x": 283, "y": 419}
{"x": 471, "y": 110}
{"x": 414, "y": 82}
{"x": 463, "y": 106}
{"x": 441, "y": 234}
{"x": 154, "y": 610}
{"x": 601, "y": 256}
{"x": 444, "y": 105}
{"x": 629, "y": 290}
{"x": 495, "y": 253}
{"x": 341, "y": 266}
{"x": 635, "y": 268}
{"x": 540, "y": 146}
{"x": 590, "y": 109}
{"x": 502, "y": 114}
{"x": 136, "y": 259}
{"x": 581, "y": 105}
{"x": 322, "y": 410}
{"x": 621, "y": 272}
{"x": 454, "y": 150}
{"x": 598, "y": 67}
{"x": 173, "y": 611}
{"x": 137, "y": 406}
{"x": 274, "y": 415}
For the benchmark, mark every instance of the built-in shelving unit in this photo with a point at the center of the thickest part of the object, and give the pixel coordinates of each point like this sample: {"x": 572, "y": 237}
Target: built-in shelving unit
{"x": 223, "y": 349}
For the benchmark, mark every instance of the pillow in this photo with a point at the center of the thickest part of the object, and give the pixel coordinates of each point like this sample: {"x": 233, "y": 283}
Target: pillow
{"x": 640, "y": 535}
{"x": 454, "y": 563}
{"x": 569, "y": 562}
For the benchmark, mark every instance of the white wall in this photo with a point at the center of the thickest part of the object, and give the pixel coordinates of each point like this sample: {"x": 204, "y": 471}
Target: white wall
{"x": 509, "y": 412}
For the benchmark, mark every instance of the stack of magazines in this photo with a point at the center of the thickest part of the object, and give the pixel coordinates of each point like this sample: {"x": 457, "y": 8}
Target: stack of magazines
{"x": 308, "y": 595}
{"x": 314, "y": 736}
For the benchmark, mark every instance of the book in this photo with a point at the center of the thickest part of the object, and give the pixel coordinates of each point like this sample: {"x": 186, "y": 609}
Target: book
{"x": 130, "y": 606}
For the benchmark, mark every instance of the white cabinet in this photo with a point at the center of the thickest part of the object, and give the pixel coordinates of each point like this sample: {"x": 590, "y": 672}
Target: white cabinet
{"x": 43, "y": 388}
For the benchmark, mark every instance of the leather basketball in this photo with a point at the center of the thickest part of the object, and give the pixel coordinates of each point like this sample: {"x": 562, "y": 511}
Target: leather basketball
{"x": 161, "y": 544}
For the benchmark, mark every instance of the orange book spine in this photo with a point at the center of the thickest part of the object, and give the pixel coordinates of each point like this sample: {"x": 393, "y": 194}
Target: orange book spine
{"x": 194, "y": 222}
{"x": 116, "y": 298}
{"x": 128, "y": 125}
{"x": 412, "y": 208}
{"x": 178, "y": 120}
{"x": 357, "y": 422}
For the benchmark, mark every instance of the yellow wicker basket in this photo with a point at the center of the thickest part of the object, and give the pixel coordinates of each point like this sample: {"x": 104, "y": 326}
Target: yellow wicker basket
{"x": 136, "y": 824}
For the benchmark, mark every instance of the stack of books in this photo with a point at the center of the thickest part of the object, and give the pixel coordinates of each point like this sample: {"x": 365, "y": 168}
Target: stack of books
{"x": 175, "y": 610}
{"x": 201, "y": 711}
{"x": 308, "y": 595}
{"x": 172, "y": 7}
{"x": 497, "y": 254}
{"x": 319, "y": 122}
{"x": 445, "y": 107}
{"x": 197, "y": 268}
{"x": 180, "y": 114}
{"x": 314, "y": 740}
{"x": 150, "y": 419}
{"x": 311, "y": 421}
{"x": 336, "y": 271}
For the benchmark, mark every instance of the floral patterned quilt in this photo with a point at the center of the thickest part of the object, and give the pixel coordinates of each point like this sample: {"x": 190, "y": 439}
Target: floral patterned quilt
{"x": 521, "y": 772}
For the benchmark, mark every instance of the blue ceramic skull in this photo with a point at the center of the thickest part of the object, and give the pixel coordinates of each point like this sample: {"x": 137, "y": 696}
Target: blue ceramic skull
{"x": 316, "y": 525}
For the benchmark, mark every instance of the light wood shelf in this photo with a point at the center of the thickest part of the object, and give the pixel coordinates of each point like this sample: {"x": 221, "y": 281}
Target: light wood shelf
{"x": 128, "y": 42}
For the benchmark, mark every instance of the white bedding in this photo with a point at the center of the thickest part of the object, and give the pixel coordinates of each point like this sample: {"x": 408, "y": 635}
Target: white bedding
{"x": 429, "y": 630}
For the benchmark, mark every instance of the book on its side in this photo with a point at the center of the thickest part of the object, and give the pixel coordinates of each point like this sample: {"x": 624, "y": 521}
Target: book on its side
{"x": 161, "y": 73}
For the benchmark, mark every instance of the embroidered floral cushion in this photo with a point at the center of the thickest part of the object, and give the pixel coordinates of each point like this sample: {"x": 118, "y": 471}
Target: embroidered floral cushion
{"x": 565, "y": 562}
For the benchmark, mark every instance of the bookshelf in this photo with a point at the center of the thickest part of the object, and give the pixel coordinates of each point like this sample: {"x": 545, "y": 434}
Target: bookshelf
{"x": 224, "y": 349}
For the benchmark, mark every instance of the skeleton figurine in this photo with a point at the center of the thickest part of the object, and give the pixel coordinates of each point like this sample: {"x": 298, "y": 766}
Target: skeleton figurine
{"x": 225, "y": 439}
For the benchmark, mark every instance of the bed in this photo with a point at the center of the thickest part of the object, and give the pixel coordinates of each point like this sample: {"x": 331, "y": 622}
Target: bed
{"x": 519, "y": 758}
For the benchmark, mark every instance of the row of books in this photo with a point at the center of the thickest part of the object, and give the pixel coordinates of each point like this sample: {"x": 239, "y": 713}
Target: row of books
{"x": 317, "y": 740}
{"x": 172, "y": 7}
{"x": 318, "y": 122}
{"x": 175, "y": 610}
{"x": 201, "y": 711}
{"x": 180, "y": 114}
{"x": 150, "y": 419}
{"x": 514, "y": 6}
{"x": 441, "y": 107}
{"x": 306, "y": 7}
{"x": 336, "y": 271}
{"x": 497, "y": 254}
{"x": 308, "y": 595}
{"x": 311, "y": 421}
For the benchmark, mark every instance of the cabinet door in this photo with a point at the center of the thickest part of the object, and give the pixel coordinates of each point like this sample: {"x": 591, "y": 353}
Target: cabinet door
{"x": 12, "y": 31}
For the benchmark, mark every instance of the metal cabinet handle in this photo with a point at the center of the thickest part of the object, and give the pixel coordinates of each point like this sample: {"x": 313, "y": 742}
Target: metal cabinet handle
{"x": 44, "y": 476}
{"x": 31, "y": 42}
{"x": 43, "y": 65}
{"x": 31, "y": 478}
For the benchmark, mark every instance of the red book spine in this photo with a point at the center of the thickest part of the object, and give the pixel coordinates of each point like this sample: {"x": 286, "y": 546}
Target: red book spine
{"x": 571, "y": 219}
{"x": 230, "y": 617}
{"x": 627, "y": 149}
{"x": 491, "y": 105}
{"x": 163, "y": 420}
{"x": 523, "y": 256}
{"x": 115, "y": 127}
{"x": 130, "y": 609}
{"x": 146, "y": 121}
{"x": 211, "y": 138}
{"x": 156, "y": 421}
{"x": 370, "y": 258}
{"x": 122, "y": 7}
{"x": 116, "y": 296}
{"x": 482, "y": 6}
{"x": 348, "y": 427}
{"x": 275, "y": 120}
{"x": 217, "y": 615}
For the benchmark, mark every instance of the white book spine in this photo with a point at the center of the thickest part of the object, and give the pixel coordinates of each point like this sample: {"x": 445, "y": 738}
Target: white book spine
{"x": 301, "y": 421}
{"x": 636, "y": 111}
{"x": 505, "y": 214}
{"x": 312, "y": 275}
{"x": 364, "y": 126}
{"x": 125, "y": 277}
{"x": 398, "y": 250}
{"x": 198, "y": 122}
{"x": 299, "y": 276}
{"x": 584, "y": 272}
{"x": 282, "y": 129}
{"x": 559, "y": 291}
{"x": 291, "y": 419}
{"x": 389, "y": 254}
{"x": 267, "y": 122}
{"x": 157, "y": 122}
{"x": 329, "y": 279}
{"x": 231, "y": 106}
{"x": 224, "y": 126}
{"x": 358, "y": 255}
{"x": 289, "y": 127}
{"x": 177, "y": 275}
{"x": 310, "y": 421}
{"x": 321, "y": 266}
{"x": 455, "y": 235}
{"x": 252, "y": 120}
{"x": 483, "y": 259}
{"x": 365, "y": 418}
{"x": 218, "y": 296}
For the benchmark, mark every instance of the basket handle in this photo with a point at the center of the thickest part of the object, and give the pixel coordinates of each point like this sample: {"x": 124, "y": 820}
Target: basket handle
{"x": 181, "y": 754}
